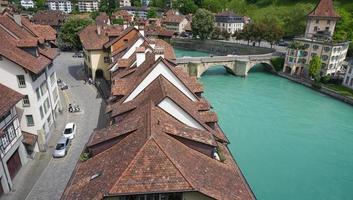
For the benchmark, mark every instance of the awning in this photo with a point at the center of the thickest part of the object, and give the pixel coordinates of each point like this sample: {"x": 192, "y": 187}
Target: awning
{"x": 29, "y": 138}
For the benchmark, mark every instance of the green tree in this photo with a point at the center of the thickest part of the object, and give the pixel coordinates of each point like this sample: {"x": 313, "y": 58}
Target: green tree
{"x": 213, "y": 5}
{"x": 202, "y": 24}
{"x": 273, "y": 32}
{"x": 186, "y": 6}
{"x": 315, "y": 68}
{"x": 225, "y": 34}
{"x": 152, "y": 13}
{"x": 40, "y": 4}
{"x": 69, "y": 32}
{"x": 216, "y": 33}
{"x": 94, "y": 15}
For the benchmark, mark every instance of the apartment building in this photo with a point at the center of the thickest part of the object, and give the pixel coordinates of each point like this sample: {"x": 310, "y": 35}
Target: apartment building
{"x": 318, "y": 41}
{"x": 12, "y": 151}
{"x": 123, "y": 3}
{"x": 173, "y": 21}
{"x": 137, "y": 12}
{"x": 62, "y": 5}
{"x": 228, "y": 21}
{"x": 27, "y": 4}
{"x": 26, "y": 67}
{"x": 88, "y": 5}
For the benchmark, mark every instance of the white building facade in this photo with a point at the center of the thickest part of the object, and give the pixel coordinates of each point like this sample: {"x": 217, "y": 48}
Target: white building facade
{"x": 228, "y": 21}
{"x": 348, "y": 78}
{"x": 88, "y": 5}
{"x": 123, "y": 3}
{"x": 27, "y": 4}
{"x": 62, "y": 5}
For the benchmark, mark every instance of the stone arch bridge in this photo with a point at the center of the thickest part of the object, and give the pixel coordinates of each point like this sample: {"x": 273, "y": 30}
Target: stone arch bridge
{"x": 234, "y": 64}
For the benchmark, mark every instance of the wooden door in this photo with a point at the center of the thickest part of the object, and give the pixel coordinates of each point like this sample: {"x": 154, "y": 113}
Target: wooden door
{"x": 14, "y": 164}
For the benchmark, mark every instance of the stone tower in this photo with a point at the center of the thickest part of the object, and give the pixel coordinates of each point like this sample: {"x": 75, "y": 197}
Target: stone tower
{"x": 321, "y": 22}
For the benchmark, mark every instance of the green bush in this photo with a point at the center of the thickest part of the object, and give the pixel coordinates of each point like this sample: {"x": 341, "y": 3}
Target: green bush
{"x": 84, "y": 156}
{"x": 325, "y": 79}
{"x": 278, "y": 63}
{"x": 118, "y": 21}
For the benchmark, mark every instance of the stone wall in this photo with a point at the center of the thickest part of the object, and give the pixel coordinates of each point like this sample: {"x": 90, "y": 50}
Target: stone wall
{"x": 221, "y": 48}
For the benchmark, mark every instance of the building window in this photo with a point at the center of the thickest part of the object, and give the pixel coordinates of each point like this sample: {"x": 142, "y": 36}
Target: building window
{"x": 350, "y": 70}
{"x": 323, "y": 65}
{"x": 315, "y": 47}
{"x": 328, "y": 22}
{"x": 43, "y": 88}
{"x": 38, "y": 93}
{"x": 306, "y": 46}
{"x": 324, "y": 57}
{"x": 25, "y": 101}
{"x": 46, "y": 105}
{"x": 351, "y": 84}
{"x": 52, "y": 78}
{"x": 106, "y": 59}
{"x": 21, "y": 81}
{"x": 347, "y": 80}
{"x": 30, "y": 121}
{"x": 11, "y": 132}
{"x": 55, "y": 94}
{"x": 317, "y": 21}
{"x": 327, "y": 49}
{"x": 41, "y": 112}
{"x": 315, "y": 28}
{"x": 4, "y": 141}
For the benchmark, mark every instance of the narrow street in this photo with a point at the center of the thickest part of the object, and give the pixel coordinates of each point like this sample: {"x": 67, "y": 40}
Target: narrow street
{"x": 45, "y": 177}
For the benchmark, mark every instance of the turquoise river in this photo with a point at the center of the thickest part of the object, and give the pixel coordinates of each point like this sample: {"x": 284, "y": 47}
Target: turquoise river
{"x": 290, "y": 142}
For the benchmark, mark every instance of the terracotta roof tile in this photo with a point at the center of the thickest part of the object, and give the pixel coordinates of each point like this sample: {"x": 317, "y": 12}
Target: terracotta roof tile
{"x": 29, "y": 138}
{"x": 51, "y": 18}
{"x": 324, "y": 8}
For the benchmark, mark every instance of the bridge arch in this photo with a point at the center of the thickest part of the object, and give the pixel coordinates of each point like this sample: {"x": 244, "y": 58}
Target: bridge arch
{"x": 227, "y": 66}
{"x": 267, "y": 64}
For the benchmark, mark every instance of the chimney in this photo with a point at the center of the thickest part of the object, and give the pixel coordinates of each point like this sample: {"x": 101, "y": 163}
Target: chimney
{"x": 159, "y": 52}
{"x": 124, "y": 25}
{"x": 140, "y": 56}
{"x": 99, "y": 31}
{"x": 142, "y": 31}
{"x": 17, "y": 19}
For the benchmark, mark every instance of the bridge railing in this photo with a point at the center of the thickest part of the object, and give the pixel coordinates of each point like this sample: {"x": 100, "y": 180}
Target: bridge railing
{"x": 229, "y": 58}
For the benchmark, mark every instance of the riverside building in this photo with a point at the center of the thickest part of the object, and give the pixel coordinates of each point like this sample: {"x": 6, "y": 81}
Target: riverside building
{"x": 228, "y": 21}
{"x": 163, "y": 141}
{"x": 62, "y": 5}
{"x": 26, "y": 57}
{"x": 321, "y": 23}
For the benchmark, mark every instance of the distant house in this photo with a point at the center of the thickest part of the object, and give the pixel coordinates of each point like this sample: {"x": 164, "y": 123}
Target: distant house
{"x": 175, "y": 22}
{"x": 102, "y": 19}
{"x": 145, "y": 2}
{"x": 123, "y": 3}
{"x": 228, "y": 21}
{"x": 62, "y": 5}
{"x": 12, "y": 151}
{"x": 52, "y": 18}
{"x": 348, "y": 78}
{"x": 137, "y": 12}
{"x": 158, "y": 32}
{"x": 88, "y": 5}
{"x": 27, "y": 4}
{"x": 123, "y": 15}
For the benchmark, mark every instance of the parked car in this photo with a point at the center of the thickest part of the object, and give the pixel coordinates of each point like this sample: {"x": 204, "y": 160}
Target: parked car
{"x": 70, "y": 131}
{"x": 62, "y": 147}
{"x": 78, "y": 54}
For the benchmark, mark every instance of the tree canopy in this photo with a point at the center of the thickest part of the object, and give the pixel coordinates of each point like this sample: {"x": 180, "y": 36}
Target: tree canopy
{"x": 68, "y": 34}
{"x": 315, "y": 68}
{"x": 202, "y": 24}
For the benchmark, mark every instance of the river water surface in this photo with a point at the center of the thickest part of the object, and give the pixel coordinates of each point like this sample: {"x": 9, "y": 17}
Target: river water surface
{"x": 289, "y": 141}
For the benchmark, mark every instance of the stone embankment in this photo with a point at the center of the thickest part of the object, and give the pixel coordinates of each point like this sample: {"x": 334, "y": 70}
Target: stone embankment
{"x": 219, "y": 47}
{"x": 323, "y": 89}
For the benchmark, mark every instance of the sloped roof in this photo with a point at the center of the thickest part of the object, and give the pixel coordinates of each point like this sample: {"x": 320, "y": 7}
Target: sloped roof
{"x": 49, "y": 17}
{"x": 13, "y": 37}
{"x": 8, "y": 99}
{"x": 91, "y": 40}
{"x": 324, "y": 9}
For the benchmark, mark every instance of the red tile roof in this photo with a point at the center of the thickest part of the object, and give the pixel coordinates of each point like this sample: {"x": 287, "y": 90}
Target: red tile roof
{"x": 91, "y": 40}
{"x": 324, "y": 9}
{"x": 50, "y": 17}
{"x": 8, "y": 99}
{"x": 13, "y": 37}
{"x": 29, "y": 138}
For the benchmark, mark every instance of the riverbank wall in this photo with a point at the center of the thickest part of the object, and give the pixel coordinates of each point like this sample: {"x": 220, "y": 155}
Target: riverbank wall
{"x": 323, "y": 89}
{"x": 219, "y": 48}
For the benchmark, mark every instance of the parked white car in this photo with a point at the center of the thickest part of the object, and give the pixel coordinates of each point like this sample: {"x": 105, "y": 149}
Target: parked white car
{"x": 70, "y": 131}
{"x": 62, "y": 147}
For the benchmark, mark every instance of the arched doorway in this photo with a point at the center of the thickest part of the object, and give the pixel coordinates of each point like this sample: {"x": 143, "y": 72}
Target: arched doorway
{"x": 99, "y": 74}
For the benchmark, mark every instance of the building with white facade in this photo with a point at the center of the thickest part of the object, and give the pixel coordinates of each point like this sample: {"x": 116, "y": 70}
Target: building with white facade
{"x": 26, "y": 67}
{"x": 145, "y": 2}
{"x": 348, "y": 78}
{"x": 317, "y": 41}
{"x": 62, "y": 5}
{"x": 88, "y": 5}
{"x": 12, "y": 151}
{"x": 123, "y": 3}
{"x": 27, "y": 4}
{"x": 229, "y": 22}
{"x": 174, "y": 21}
